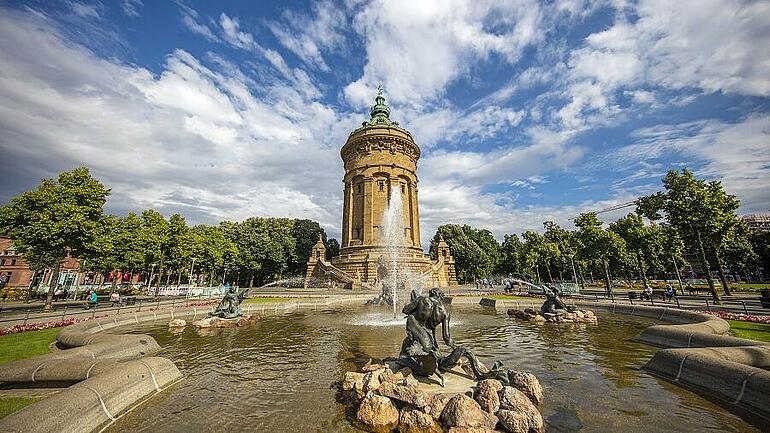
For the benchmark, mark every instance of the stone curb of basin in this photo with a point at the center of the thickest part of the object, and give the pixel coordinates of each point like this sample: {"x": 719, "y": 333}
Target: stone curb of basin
{"x": 697, "y": 352}
{"x": 113, "y": 372}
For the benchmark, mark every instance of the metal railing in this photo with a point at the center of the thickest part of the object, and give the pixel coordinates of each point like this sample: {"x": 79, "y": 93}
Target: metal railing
{"x": 686, "y": 302}
{"x": 28, "y": 315}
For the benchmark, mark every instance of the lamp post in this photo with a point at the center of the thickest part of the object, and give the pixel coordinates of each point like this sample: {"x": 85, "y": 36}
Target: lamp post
{"x": 152, "y": 273}
{"x": 224, "y": 276}
{"x": 192, "y": 266}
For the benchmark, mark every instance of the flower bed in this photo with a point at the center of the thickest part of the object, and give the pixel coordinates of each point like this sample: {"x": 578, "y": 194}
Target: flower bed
{"x": 739, "y": 316}
{"x": 42, "y": 325}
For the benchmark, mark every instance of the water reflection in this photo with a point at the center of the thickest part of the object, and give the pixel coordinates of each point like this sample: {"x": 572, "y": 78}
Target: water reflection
{"x": 276, "y": 376}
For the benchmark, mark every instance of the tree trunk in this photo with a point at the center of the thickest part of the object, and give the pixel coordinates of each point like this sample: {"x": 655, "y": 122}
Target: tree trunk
{"x": 640, "y": 263}
{"x": 707, "y": 270}
{"x": 607, "y": 283}
{"x": 722, "y": 278}
{"x": 537, "y": 273}
{"x": 582, "y": 280}
{"x": 52, "y": 287}
{"x": 591, "y": 271}
{"x": 251, "y": 279}
{"x": 29, "y": 287}
{"x": 678, "y": 276}
{"x": 550, "y": 277}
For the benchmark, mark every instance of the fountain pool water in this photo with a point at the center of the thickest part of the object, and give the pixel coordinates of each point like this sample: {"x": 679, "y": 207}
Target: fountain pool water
{"x": 276, "y": 376}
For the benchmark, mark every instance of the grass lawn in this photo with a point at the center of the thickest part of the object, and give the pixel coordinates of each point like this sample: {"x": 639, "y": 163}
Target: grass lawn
{"x": 750, "y": 330}
{"x": 26, "y": 344}
{"x": 259, "y": 300}
{"x": 750, "y": 287}
{"x": 9, "y": 405}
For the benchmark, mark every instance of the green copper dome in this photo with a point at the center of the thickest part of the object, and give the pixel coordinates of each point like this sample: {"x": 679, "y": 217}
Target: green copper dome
{"x": 380, "y": 112}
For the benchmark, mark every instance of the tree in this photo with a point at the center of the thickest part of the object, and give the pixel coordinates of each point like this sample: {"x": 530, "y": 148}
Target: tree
{"x": 305, "y": 233}
{"x": 332, "y": 248}
{"x": 154, "y": 240}
{"x": 597, "y": 244}
{"x": 701, "y": 212}
{"x": 476, "y": 252}
{"x": 760, "y": 244}
{"x": 637, "y": 238}
{"x": 540, "y": 251}
{"x": 512, "y": 257}
{"x": 565, "y": 243}
{"x": 61, "y": 217}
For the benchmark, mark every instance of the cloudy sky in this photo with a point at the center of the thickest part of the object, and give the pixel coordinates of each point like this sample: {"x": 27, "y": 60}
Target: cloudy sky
{"x": 525, "y": 111}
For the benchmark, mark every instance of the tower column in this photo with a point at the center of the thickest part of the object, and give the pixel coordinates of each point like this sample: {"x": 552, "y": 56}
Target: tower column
{"x": 415, "y": 215}
{"x": 368, "y": 211}
{"x": 347, "y": 214}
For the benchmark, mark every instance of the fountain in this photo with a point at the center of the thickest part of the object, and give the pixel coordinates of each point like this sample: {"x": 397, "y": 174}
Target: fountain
{"x": 392, "y": 273}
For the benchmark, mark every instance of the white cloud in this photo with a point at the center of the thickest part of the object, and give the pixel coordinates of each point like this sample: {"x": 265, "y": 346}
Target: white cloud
{"x": 85, "y": 10}
{"x": 737, "y": 153}
{"x": 417, "y": 48}
{"x": 233, "y": 35}
{"x": 713, "y": 45}
{"x": 190, "y": 139}
{"x": 190, "y": 19}
{"x": 308, "y": 36}
{"x": 131, "y": 8}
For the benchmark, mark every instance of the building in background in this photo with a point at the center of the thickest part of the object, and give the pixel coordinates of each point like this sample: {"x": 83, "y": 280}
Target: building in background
{"x": 759, "y": 222}
{"x": 16, "y": 272}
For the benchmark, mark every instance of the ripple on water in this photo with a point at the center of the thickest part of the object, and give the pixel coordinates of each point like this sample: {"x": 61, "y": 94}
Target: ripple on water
{"x": 276, "y": 376}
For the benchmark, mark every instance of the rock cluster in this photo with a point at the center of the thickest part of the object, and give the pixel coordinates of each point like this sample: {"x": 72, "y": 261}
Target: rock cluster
{"x": 576, "y": 316}
{"x": 387, "y": 398}
{"x": 216, "y": 322}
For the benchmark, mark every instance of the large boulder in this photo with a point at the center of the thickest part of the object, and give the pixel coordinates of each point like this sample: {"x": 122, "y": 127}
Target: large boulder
{"x": 486, "y": 395}
{"x": 372, "y": 380}
{"x": 177, "y": 323}
{"x": 371, "y": 367}
{"x": 378, "y": 413}
{"x": 389, "y": 376}
{"x": 436, "y": 404}
{"x": 528, "y": 384}
{"x": 412, "y": 420}
{"x": 353, "y": 384}
{"x": 514, "y": 421}
{"x": 514, "y": 400}
{"x": 463, "y": 411}
{"x": 410, "y": 395}
{"x": 208, "y": 322}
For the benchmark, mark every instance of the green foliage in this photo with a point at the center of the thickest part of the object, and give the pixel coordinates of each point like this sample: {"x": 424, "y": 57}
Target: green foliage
{"x": 305, "y": 233}
{"x": 476, "y": 252}
{"x": 62, "y": 216}
{"x": 512, "y": 257}
{"x": 332, "y": 248}
{"x": 701, "y": 212}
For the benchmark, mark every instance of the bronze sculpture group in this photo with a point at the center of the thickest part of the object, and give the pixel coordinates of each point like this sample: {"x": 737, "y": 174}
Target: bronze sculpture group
{"x": 420, "y": 350}
{"x": 230, "y": 305}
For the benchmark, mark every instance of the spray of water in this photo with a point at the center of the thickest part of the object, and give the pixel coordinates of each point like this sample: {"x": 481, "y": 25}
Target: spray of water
{"x": 398, "y": 276}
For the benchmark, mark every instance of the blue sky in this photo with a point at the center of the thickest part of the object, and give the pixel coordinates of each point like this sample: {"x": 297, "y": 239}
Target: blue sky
{"x": 525, "y": 111}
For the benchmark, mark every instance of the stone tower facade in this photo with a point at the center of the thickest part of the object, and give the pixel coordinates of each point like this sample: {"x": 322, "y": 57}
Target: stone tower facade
{"x": 380, "y": 161}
